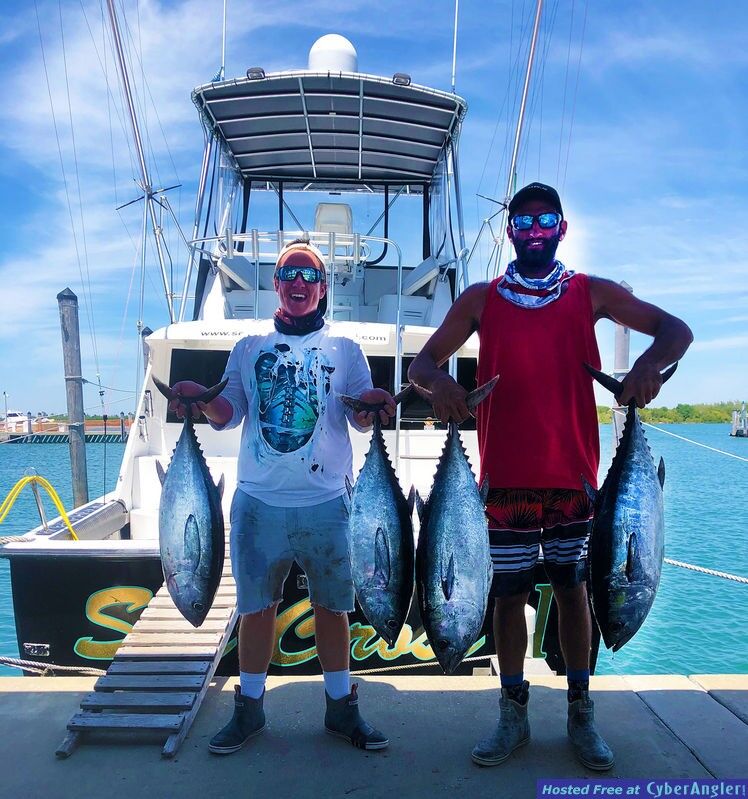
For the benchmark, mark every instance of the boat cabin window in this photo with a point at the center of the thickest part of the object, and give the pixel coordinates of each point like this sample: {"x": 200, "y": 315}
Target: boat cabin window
{"x": 416, "y": 410}
{"x": 202, "y": 366}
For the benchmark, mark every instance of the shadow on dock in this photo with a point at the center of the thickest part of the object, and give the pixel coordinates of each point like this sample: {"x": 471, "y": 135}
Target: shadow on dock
{"x": 658, "y": 727}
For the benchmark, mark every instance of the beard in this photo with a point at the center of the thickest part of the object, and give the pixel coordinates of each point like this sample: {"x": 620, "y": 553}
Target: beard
{"x": 536, "y": 260}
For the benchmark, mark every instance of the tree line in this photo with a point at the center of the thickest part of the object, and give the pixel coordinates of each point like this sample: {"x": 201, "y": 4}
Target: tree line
{"x": 682, "y": 413}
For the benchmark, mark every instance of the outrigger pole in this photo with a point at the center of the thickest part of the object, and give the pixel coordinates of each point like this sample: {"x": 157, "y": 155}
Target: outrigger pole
{"x": 146, "y": 182}
{"x": 512, "y": 180}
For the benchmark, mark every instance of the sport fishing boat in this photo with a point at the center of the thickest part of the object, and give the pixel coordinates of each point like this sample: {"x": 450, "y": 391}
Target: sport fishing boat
{"x": 364, "y": 166}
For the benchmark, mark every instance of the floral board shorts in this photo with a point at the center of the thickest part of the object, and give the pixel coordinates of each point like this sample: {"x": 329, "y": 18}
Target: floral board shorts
{"x": 522, "y": 521}
{"x": 265, "y": 541}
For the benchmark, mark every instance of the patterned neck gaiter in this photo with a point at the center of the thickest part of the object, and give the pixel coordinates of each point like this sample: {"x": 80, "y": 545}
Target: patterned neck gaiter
{"x": 533, "y": 292}
{"x": 298, "y": 325}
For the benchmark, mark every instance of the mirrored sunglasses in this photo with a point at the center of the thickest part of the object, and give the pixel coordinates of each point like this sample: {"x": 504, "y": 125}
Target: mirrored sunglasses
{"x": 545, "y": 221}
{"x": 308, "y": 274}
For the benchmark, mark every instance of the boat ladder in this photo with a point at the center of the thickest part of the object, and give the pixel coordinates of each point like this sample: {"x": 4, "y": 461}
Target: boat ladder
{"x": 160, "y": 674}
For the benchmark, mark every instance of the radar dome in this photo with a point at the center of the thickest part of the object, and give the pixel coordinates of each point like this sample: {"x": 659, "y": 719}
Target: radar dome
{"x": 333, "y": 53}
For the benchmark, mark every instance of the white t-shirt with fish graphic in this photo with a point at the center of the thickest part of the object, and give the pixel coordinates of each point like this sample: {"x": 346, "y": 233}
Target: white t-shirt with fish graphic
{"x": 295, "y": 447}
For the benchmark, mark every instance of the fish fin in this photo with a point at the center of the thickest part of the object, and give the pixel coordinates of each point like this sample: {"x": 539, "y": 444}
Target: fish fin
{"x": 401, "y": 395}
{"x": 211, "y": 393}
{"x": 353, "y": 403}
{"x": 160, "y": 471}
{"x": 348, "y": 487}
{"x": 221, "y": 485}
{"x": 632, "y": 558}
{"x": 669, "y": 372}
{"x": 358, "y": 405}
{"x": 661, "y": 473}
{"x": 382, "y": 571}
{"x": 192, "y": 542}
{"x": 474, "y": 398}
{"x": 411, "y": 500}
{"x": 614, "y": 386}
{"x": 483, "y": 490}
{"x": 162, "y": 387}
{"x": 589, "y": 490}
{"x": 420, "y": 506}
{"x": 448, "y": 579}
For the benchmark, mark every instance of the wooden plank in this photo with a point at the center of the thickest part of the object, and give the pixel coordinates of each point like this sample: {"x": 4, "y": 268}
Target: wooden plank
{"x": 158, "y": 667}
{"x": 171, "y": 639}
{"x": 165, "y": 614}
{"x": 69, "y": 745}
{"x": 151, "y": 626}
{"x": 222, "y": 601}
{"x": 139, "y": 701}
{"x": 149, "y": 682}
{"x": 182, "y": 652}
{"x": 126, "y": 721}
{"x": 174, "y": 741}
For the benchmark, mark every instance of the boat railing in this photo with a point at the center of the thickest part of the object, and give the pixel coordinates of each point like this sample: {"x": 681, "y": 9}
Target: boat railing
{"x": 346, "y": 255}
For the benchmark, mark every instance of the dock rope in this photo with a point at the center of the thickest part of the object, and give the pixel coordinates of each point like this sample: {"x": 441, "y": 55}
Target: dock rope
{"x": 689, "y": 440}
{"x": 9, "y": 501}
{"x": 49, "y": 669}
{"x": 713, "y": 572}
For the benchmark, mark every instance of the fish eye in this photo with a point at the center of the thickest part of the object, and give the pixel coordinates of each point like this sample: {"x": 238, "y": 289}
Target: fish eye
{"x": 443, "y": 644}
{"x": 392, "y": 624}
{"x": 198, "y": 606}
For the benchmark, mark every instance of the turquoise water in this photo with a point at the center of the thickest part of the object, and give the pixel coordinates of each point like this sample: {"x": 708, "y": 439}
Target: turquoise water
{"x": 51, "y": 461}
{"x": 697, "y": 624}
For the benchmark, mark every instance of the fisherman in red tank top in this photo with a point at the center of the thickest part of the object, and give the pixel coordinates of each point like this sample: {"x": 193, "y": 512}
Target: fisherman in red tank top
{"x": 537, "y": 437}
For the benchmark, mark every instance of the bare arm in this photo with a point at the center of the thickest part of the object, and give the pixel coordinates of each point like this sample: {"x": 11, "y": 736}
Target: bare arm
{"x": 672, "y": 337}
{"x": 463, "y": 318}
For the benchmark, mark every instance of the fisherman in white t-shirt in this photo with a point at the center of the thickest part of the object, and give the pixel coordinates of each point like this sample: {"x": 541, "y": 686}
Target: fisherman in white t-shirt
{"x": 291, "y": 501}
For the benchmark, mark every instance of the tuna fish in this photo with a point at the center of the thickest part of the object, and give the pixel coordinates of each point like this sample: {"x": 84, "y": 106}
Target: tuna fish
{"x": 381, "y": 536}
{"x": 190, "y": 519}
{"x": 453, "y": 563}
{"x": 627, "y": 543}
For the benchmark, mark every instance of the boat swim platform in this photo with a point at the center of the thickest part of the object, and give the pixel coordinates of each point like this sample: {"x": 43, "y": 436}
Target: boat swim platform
{"x": 160, "y": 674}
{"x": 659, "y": 727}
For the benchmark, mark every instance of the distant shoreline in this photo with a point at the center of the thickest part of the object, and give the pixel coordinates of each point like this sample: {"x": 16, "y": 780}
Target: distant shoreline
{"x": 684, "y": 413}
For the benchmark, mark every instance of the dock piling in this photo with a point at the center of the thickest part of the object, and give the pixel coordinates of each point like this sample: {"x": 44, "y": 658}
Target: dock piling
{"x": 71, "y": 354}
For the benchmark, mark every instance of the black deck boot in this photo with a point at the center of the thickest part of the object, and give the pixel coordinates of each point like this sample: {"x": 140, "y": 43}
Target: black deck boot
{"x": 248, "y": 720}
{"x": 344, "y": 720}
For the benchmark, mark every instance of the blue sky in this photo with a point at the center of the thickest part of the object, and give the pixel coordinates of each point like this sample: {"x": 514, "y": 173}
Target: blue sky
{"x": 638, "y": 114}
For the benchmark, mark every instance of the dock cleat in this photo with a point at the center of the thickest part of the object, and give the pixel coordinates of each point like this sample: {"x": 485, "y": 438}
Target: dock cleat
{"x": 589, "y": 746}
{"x": 512, "y": 731}
{"x": 248, "y": 720}
{"x": 344, "y": 720}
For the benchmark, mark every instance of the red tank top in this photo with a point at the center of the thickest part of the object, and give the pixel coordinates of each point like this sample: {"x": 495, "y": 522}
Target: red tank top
{"x": 538, "y": 427}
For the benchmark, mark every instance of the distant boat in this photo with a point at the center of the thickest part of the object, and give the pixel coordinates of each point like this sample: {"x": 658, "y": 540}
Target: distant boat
{"x": 739, "y": 423}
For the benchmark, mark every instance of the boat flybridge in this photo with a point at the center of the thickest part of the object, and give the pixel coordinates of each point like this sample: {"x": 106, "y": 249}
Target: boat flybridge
{"x": 366, "y": 168}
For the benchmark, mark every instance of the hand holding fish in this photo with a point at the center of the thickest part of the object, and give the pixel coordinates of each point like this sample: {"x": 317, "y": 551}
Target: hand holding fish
{"x": 642, "y": 384}
{"x": 448, "y": 399}
{"x": 375, "y": 396}
{"x": 217, "y": 409}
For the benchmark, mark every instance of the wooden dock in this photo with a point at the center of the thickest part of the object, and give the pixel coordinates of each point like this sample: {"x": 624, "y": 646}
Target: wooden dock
{"x": 160, "y": 674}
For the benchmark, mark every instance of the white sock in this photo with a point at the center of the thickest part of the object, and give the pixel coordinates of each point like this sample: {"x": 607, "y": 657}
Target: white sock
{"x": 337, "y": 683}
{"x": 252, "y": 685}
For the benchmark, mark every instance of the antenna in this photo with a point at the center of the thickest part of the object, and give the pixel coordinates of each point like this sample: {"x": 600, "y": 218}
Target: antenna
{"x": 454, "y": 47}
{"x": 222, "y": 73}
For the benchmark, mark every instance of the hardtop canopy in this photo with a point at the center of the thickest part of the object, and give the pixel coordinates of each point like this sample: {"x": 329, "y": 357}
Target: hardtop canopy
{"x": 331, "y": 128}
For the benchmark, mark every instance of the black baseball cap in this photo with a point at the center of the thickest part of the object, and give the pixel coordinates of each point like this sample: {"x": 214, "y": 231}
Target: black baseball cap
{"x": 535, "y": 191}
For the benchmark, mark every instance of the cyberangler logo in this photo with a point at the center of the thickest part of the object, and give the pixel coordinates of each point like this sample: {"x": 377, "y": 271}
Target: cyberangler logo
{"x": 293, "y": 388}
